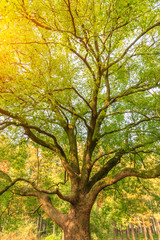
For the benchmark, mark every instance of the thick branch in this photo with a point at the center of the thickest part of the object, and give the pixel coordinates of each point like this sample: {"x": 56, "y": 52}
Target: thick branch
{"x": 131, "y": 172}
{"x": 35, "y": 187}
{"x": 56, "y": 147}
{"x": 51, "y": 211}
{"x": 107, "y": 167}
{"x": 126, "y": 172}
{"x": 48, "y": 207}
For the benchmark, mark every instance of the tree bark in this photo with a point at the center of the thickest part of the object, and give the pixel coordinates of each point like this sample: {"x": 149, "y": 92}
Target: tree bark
{"x": 77, "y": 225}
{"x": 144, "y": 229}
{"x": 39, "y": 226}
{"x": 54, "y": 229}
{"x": 133, "y": 234}
{"x": 128, "y": 232}
{"x": 0, "y": 225}
{"x": 157, "y": 228}
{"x": 114, "y": 230}
{"x": 138, "y": 232}
{"x": 150, "y": 233}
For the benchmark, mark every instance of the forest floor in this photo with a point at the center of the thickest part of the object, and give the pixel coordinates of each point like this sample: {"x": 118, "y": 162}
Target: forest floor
{"x": 31, "y": 236}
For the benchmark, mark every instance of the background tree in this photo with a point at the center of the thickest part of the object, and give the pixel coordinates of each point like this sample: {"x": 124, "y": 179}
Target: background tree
{"x": 127, "y": 204}
{"x": 81, "y": 79}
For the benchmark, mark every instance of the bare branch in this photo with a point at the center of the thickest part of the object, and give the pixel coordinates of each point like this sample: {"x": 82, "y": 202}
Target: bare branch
{"x": 132, "y": 172}
{"x": 106, "y": 168}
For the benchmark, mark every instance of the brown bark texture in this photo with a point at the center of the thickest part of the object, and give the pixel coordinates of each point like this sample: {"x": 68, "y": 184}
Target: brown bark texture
{"x": 133, "y": 234}
{"x": 157, "y": 228}
{"x": 76, "y": 226}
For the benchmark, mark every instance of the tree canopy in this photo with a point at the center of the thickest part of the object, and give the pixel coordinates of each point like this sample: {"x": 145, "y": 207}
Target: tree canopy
{"x": 81, "y": 79}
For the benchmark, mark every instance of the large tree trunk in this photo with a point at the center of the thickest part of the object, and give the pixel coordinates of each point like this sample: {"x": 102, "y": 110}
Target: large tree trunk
{"x": 77, "y": 226}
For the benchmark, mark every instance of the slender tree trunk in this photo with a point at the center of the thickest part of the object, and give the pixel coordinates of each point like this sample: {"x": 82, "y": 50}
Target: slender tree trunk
{"x": 63, "y": 236}
{"x": 54, "y": 229}
{"x": 122, "y": 234}
{"x": 139, "y": 232}
{"x": 157, "y": 228}
{"x": 0, "y": 225}
{"x": 39, "y": 226}
{"x": 150, "y": 236}
{"x": 144, "y": 233}
{"x": 133, "y": 234}
{"x": 128, "y": 232}
{"x": 153, "y": 226}
{"x": 114, "y": 230}
{"x": 147, "y": 233}
{"x": 144, "y": 229}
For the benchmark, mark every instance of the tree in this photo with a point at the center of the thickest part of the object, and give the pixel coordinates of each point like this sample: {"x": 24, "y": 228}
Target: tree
{"x": 81, "y": 79}
{"x": 124, "y": 208}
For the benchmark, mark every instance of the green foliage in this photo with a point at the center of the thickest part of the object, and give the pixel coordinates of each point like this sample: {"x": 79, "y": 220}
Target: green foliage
{"x": 26, "y": 231}
{"x": 51, "y": 237}
{"x": 79, "y": 100}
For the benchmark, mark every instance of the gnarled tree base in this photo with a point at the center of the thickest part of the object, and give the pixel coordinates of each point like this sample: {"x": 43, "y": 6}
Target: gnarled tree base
{"x": 77, "y": 225}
